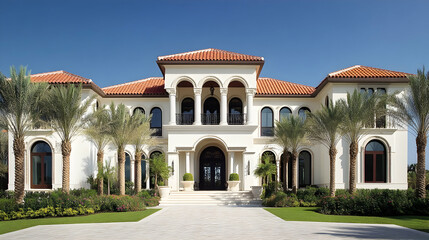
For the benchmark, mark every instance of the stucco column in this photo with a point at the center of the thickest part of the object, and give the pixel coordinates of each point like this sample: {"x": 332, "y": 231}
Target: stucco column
{"x": 197, "y": 117}
{"x": 223, "y": 106}
{"x": 172, "y": 95}
{"x": 188, "y": 162}
{"x": 250, "y": 115}
{"x": 133, "y": 170}
{"x": 278, "y": 170}
{"x": 231, "y": 162}
{"x": 243, "y": 175}
{"x": 147, "y": 174}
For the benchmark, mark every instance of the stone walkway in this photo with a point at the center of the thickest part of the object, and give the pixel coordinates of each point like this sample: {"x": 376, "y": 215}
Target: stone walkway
{"x": 216, "y": 223}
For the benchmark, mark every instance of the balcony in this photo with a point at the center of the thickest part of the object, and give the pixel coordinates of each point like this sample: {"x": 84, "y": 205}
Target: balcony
{"x": 210, "y": 118}
{"x": 236, "y": 118}
{"x": 184, "y": 119}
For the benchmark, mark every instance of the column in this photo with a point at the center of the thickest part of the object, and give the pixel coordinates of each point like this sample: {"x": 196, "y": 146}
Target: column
{"x": 223, "y": 106}
{"x": 188, "y": 162}
{"x": 244, "y": 174}
{"x": 231, "y": 162}
{"x": 147, "y": 174}
{"x": 250, "y": 115}
{"x": 197, "y": 108}
{"x": 133, "y": 170}
{"x": 172, "y": 95}
{"x": 278, "y": 170}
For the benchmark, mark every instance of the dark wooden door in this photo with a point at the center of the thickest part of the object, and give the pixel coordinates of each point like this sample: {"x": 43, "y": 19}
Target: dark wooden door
{"x": 212, "y": 169}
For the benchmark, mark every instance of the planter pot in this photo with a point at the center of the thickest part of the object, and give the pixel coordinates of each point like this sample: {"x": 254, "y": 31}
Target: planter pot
{"x": 187, "y": 185}
{"x": 257, "y": 191}
{"x": 233, "y": 186}
{"x": 164, "y": 191}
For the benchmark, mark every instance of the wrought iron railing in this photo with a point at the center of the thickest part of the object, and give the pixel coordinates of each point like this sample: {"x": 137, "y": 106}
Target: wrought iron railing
{"x": 210, "y": 118}
{"x": 184, "y": 119}
{"x": 236, "y": 119}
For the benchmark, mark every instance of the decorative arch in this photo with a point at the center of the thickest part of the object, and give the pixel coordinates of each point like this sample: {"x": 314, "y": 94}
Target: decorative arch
{"x": 237, "y": 78}
{"x": 181, "y": 79}
{"x": 220, "y": 141}
{"x": 210, "y": 78}
{"x": 376, "y": 156}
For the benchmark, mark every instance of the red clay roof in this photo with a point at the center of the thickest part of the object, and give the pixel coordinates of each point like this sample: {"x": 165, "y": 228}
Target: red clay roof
{"x": 209, "y": 54}
{"x": 153, "y": 86}
{"x": 59, "y": 77}
{"x": 270, "y": 86}
{"x": 359, "y": 71}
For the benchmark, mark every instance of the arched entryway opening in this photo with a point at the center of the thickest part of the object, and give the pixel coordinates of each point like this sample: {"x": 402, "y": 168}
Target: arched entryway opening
{"x": 375, "y": 170}
{"x": 212, "y": 169}
{"x": 41, "y": 166}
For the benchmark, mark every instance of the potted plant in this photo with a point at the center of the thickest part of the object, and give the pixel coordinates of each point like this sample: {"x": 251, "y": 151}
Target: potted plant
{"x": 159, "y": 168}
{"x": 188, "y": 182}
{"x": 234, "y": 182}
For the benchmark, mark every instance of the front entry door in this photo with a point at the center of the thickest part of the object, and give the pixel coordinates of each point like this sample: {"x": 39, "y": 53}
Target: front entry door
{"x": 212, "y": 169}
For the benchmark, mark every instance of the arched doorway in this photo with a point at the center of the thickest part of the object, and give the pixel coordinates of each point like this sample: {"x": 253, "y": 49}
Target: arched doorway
{"x": 212, "y": 169}
{"x": 304, "y": 169}
{"x": 211, "y": 115}
{"x": 41, "y": 166}
{"x": 375, "y": 162}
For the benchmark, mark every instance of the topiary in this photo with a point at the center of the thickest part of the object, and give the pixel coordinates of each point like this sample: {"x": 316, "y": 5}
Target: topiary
{"x": 188, "y": 177}
{"x": 234, "y": 177}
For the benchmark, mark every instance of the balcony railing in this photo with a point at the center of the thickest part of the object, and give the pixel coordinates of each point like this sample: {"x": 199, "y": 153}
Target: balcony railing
{"x": 184, "y": 119}
{"x": 210, "y": 119}
{"x": 236, "y": 119}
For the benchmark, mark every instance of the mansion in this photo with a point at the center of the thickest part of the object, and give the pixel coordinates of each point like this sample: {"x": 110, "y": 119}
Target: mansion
{"x": 213, "y": 115}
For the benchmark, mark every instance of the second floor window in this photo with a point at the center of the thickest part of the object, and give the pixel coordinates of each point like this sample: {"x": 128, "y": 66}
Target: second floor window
{"x": 156, "y": 121}
{"x": 267, "y": 122}
{"x": 303, "y": 112}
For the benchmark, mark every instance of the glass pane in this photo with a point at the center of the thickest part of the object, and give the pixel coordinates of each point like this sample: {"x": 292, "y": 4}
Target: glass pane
{"x": 127, "y": 167}
{"x": 37, "y": 170}
{"x": 284, "y": 113}
{"x": 207, "y": 174}
{"x": 47, "y": 162}
{"x": 188, "y": 106}
{"x": 374, "y": 146}
{"x": 41, "y": 147}
{"x": 369, "y": 168}
{"x": 143, "y": 164}
{"x": 235, "y": 106}
{"x": 304, "y": 169}
{"x": 380, "y": 166}
{"x": 267, "y": 117}
{"x": 156, "y": 120}
{"x": 303, "y": 112}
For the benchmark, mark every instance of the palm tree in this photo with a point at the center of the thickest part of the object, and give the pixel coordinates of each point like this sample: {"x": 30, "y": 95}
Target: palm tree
{"x": 283, "y": 140}
{"x": 293, "y": 128}
{"x": 265, "y": 169}
{"x": 121, "y": 131}
{"x": 64, "y": 110}
{"x": 359, "y": 110}
{"x": 19, "y": 109}
{"x": 141, "y": 136}
{"x": 324, "y": 127}
{"x": 159, "y": 168}
{"x": 97, "y": 129}
{"x": 109, "y": 172}
{"x": 413, "y": 109}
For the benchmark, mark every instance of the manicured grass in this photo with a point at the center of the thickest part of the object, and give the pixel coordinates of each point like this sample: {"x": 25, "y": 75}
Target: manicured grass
{"x": 309, "y": 214}
{"x": 14, "y": 225}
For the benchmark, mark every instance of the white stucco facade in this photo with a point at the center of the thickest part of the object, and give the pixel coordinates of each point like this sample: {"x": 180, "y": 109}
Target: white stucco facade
{"x": 240, "y": 144}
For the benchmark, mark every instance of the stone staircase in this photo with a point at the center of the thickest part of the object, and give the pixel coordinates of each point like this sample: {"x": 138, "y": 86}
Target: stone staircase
{"x": 213, "y": 198}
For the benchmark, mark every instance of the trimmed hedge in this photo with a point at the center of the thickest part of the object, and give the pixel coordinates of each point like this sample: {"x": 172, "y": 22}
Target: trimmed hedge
{"x": 234, "y": 177}
{"x": 188, "y": 177}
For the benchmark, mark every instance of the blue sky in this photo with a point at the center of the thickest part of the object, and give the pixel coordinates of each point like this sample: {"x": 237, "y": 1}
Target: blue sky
{"x": 114, "y": 42}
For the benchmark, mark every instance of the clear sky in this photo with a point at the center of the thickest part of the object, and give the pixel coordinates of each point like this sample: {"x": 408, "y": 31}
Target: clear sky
{"x": 114, "y": 42}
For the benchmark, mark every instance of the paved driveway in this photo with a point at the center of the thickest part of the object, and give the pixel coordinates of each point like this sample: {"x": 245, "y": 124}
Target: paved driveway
{"x": 216, "y": 223}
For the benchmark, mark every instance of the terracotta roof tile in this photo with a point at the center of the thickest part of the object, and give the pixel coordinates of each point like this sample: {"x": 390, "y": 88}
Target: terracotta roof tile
{"x": 270, "y": 86}
{"x": 359, "y": 71}
{"x": 59, "y": 77}
{"x": 210, "y": 54}
{"x": 153, "y": 86}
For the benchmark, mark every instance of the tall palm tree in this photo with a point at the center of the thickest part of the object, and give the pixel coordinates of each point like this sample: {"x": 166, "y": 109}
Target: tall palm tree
{"x": 97, "y": 129}
{"x": 282, "y": 139}
{"x": 266, "y": 169}
{"x": 413, "y": 109}
{"x": 141, "y": 137}
{"x": 121, "y": 131}
{"x": 324, "y": 127}
{"x": 65, "y": 109}
{"x": 19, "y": 108}
{"x": 359, "y": 110}
{"x": 293, "y": 128}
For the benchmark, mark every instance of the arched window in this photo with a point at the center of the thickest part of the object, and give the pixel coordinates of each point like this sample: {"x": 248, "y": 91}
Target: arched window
{"x": 235, "y": 116}
{"x": 156, "y": 121}
{"x": 155, "y": 153}
{"x": 41, "y": 166}
{"x": 211, "y": 114}
{"x": 303, "y": 112}
{"x": 375, "y": 162}
{"x": 304, "y": 169}
{"x": 267, "y": 122}
{"x": 138, "y": 109}
{"x": 327, "y": 101}
{"x": 143, "y": 165}
{"x": 187, "y": 116}
{"x": 284, "y": 113}
{"x": 127, "y": 167}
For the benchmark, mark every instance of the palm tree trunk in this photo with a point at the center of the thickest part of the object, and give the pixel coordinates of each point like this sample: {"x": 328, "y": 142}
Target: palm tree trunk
{"x": 353, "y": 156}
{"x": 156, "y": 181}
{"x": 138, "y": 172}
{"x": 121, "y": 170}
{"x": 18, "y": 151}
{"x": 294, "y": 172}
{"x": 332, "y": 157}
{"x": 100, "y": 157}
{"x": 66, "y": 150}
{"x": 108, "y": 186}
{"x": 421, "y": 142}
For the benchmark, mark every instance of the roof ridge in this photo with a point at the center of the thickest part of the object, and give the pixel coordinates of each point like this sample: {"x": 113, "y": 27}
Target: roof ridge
{"x": 64, "y": 72}
{"x": 132, "y": 82}
{"x": 287, "y": 82}
{"x": 205, "y": 50}
{"x": 343, "y": 70}
{"x": 383, "y": 69}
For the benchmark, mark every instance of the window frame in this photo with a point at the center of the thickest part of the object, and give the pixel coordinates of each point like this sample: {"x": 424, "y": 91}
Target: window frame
{"x": 158, "y": 130}
{"x": 42, "y": 156}
{"x": 374, "y": 163}
{"x": 262, "y": 123}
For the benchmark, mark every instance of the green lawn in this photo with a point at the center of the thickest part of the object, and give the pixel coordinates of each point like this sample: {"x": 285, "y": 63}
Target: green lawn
{"x": 13, "y": 225}
{"x": 309, "y": 214}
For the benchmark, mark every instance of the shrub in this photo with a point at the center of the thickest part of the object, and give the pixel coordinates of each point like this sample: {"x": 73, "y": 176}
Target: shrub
{"x": 234, "y": 177}
{"x": 188, "y": 177}
{"x": 281, "y": 199}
